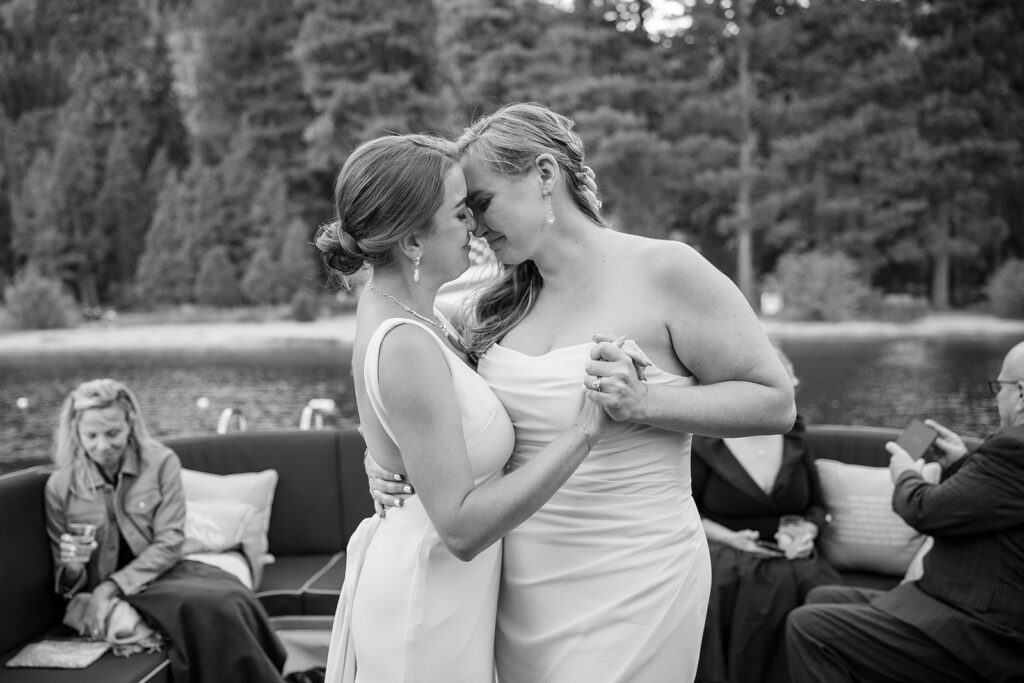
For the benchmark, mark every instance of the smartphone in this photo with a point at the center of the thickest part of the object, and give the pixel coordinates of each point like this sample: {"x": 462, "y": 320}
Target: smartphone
{"x": 917, "y": 439}
{"x": 771, "y": 547}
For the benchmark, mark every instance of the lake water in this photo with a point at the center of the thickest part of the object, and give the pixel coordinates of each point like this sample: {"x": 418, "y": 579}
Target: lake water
{"x": 882, "y": 382}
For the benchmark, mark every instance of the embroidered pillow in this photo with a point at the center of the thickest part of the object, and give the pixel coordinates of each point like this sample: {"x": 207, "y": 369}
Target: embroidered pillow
{"x": 213, "y": 526}
{"x": 253, "y": 488}
{"x": 865, "y": 534}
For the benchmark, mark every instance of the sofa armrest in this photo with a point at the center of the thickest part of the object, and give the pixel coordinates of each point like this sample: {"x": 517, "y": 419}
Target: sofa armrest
{"x": 28, "y": 604}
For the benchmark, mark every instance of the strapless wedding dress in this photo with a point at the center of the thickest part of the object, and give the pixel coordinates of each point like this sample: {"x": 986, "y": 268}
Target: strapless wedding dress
{"x": 609, "y": 581}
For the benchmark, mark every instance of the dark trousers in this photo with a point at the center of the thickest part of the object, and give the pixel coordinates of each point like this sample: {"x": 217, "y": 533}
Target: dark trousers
{"x": 839, "y": 636}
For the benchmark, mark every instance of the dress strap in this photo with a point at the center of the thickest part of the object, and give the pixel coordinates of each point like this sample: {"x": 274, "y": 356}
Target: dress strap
{"x": 371, "y": 365}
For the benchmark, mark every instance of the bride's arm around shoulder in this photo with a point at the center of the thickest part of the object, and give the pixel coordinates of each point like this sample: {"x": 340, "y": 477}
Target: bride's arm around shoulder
{"x": 743, "y": 388}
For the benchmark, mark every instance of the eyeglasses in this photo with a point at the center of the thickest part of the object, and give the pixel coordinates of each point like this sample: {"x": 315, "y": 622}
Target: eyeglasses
{"x": 993, "y": 384}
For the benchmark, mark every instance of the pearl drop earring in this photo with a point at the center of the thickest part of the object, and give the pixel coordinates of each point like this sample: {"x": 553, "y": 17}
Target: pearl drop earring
{"x": 416, "y": 269}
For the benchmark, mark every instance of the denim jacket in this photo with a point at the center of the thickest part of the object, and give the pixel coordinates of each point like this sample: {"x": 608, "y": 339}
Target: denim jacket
{"x": 147, "y": 505}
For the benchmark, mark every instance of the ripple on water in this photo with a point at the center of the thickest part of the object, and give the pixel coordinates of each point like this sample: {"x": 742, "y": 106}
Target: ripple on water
{"x": 881, "y": 382}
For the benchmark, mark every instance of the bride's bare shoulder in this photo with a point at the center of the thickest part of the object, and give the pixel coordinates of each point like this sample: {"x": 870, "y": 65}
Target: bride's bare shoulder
{"x": 664, "y": 260}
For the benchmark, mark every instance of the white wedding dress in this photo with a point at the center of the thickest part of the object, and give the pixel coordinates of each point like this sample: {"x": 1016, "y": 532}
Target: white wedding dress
{"x": 609, "y": 581}
{"x": 409, "y": 611}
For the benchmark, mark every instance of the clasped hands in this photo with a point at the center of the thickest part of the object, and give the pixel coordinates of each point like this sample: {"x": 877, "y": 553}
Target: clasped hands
{"x": 614, "y": 381}
{"x": 615, "y": 376}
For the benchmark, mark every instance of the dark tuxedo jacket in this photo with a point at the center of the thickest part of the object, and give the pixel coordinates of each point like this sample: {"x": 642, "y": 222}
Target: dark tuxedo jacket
{"x": 971, "y": 597}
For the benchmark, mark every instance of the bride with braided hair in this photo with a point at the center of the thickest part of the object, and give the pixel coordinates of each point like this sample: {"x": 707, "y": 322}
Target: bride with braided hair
{"x": 608, "y": 581}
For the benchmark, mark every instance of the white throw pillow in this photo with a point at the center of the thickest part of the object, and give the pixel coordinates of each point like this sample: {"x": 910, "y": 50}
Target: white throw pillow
{"x": 916, "y": 569}
{"x": 213, "y": 526}
{"x": 253, "y": 488}
{"x": 865, "y": 534}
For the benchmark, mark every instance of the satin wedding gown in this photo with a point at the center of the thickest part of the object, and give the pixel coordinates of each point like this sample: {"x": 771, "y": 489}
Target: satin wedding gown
{"x": 609, "y": 581}
{"x": 409, "y": 610}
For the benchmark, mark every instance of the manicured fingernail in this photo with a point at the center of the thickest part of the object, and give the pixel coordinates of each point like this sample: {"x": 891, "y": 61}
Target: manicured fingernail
{"x": 398, "y": 502}
{"x": 407, "y": 489}
{"x": 398, "y": 477}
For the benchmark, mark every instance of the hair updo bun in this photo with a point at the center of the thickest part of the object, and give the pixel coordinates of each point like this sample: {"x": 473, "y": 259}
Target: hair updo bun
{"x": 389, "y": 188}
{"x": 341, "y": 251}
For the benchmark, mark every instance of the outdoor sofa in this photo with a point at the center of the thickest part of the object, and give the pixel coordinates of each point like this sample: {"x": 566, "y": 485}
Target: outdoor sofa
{"x": 320, "y": 497}
{"x": 866, "y": 541}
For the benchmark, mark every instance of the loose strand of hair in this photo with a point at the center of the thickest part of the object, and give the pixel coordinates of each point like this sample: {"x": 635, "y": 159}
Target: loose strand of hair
{"x": 502, "y": 306}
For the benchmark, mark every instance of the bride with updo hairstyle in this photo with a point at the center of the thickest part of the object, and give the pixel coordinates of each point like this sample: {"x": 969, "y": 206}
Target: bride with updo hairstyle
{"x": 387, "y": 189}
{"x": 609, "y": 581}
{"x": 421, "y": 582}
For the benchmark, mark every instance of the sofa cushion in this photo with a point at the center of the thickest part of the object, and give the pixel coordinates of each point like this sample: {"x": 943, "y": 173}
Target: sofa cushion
{"x": 865, "y": 534}
{"x": 321, "y": 594}
{"x": 288, "y": 577}
{"x": 322, "y": 485}
{"x": 255, "y": 489}
{"x": 213, "y": 526}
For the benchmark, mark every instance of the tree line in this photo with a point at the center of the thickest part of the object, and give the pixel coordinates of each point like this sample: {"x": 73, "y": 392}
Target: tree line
{"x": 159, "y": 152}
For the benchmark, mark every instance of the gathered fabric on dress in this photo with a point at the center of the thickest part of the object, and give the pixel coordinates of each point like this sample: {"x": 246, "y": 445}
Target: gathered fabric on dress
{"x": 608, "y": 582}
{"x": 744, "y": 638}
{"x": 410, "y": 611}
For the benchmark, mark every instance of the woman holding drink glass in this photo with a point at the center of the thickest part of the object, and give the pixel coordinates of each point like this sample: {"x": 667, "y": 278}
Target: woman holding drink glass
{"x": 762, "y": 507}
{"x": 115, "y": 516}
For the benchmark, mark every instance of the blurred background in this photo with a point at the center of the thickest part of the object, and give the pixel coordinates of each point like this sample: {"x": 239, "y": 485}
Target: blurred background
{"x": 856, "y": 157}
{"x": 167, "y": 161}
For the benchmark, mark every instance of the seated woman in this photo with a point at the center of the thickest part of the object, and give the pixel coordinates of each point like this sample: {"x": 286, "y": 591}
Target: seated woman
{"x": 114, "y": 476}
{"x": 742, "y": 488}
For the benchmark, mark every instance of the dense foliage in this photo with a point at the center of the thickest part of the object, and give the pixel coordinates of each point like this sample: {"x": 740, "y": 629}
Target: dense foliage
{"x": 183, "y": 151}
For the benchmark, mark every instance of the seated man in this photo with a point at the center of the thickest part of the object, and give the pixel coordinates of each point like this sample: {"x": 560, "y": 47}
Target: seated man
{"x": 963, "y": 620}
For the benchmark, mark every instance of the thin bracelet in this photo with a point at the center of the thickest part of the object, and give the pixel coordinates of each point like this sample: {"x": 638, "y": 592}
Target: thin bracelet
{"x": 586, "y": 434}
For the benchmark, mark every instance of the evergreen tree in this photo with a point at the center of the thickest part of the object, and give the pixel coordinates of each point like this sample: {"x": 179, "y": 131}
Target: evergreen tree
{"x": 216, "y": 284}
{"x": 970, "y": 119}
{"x": 77, "y": 247}
{"x": 368, "y": 68}
{"x": 270, "y": 212}
{"x": 122, "y": 213}
{"x": 274, "y": 277}
{"x": 100, "y": 68}
{"x": 33, "y": 212}
{"x": 246, "y": 79}
{"x": 298, "y": 264}
{"x": 259, "y": 281}
{"x": 166, "y": 271}
{"x": 838, "y": 105}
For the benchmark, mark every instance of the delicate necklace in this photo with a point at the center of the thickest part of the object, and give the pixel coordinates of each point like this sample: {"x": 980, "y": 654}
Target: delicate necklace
{"x": 435, "y": 322}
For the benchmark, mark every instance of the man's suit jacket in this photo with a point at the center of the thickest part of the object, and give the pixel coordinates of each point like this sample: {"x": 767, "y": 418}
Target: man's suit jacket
{"x": 971, "y": 597}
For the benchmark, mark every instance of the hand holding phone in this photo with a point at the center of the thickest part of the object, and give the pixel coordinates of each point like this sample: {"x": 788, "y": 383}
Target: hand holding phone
{"x": 771, "y": 549}
{"x": 917, "y": 439}
{"x": 948, "y": 447}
